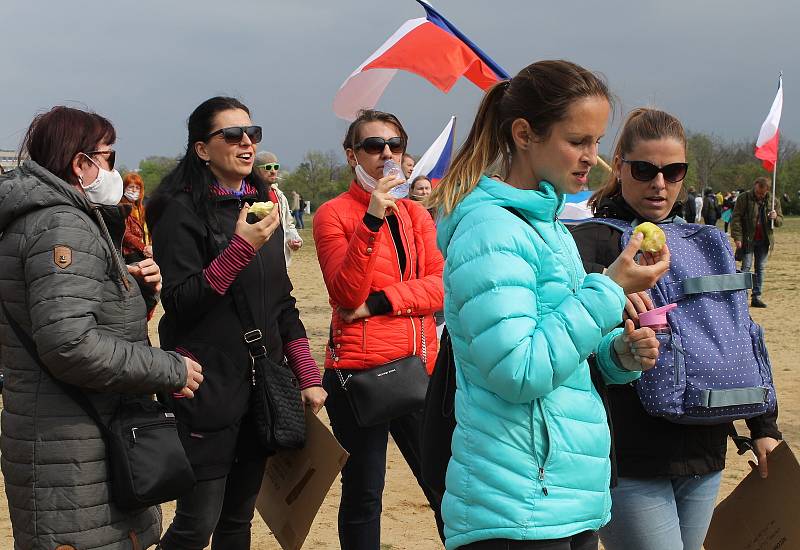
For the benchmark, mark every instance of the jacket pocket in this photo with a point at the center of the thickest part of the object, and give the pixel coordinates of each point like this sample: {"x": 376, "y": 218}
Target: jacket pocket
{"x": 222, "y": 398}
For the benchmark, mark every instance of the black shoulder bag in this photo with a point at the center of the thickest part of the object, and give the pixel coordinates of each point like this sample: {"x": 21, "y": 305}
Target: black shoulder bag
{"x": 146, "y": 459}
{"x": 275, "y": 401}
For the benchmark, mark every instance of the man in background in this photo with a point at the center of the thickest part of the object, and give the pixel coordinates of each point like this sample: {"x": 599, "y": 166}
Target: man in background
{"x": 751, "y": 229}
{"x": 408, "y": 165}
{"x": 269, "y": 169}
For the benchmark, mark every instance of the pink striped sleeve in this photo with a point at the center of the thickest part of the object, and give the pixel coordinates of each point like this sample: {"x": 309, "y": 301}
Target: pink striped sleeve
{"x": 224, "y": 269}
{"x": 303, "y": 365}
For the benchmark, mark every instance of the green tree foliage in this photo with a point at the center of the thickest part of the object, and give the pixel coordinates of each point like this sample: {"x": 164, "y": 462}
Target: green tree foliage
{"x": 319, "y": 177}
{"x": 153, "y": 169}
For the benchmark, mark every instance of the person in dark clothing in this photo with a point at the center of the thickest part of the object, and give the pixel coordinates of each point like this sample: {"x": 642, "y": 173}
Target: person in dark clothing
{"x": 675, "y": 467}
{"x": 202, "y": 238}
{"x": 711, "y": 210}
{"x": 689, "y": 211}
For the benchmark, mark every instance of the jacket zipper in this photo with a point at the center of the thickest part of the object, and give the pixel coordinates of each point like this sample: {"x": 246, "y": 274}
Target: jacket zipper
{"x": 574, "y": 271}
{"x": 543, "y": 467}
{"x": 400, "y": 270}
{"x": 364, "y": 336}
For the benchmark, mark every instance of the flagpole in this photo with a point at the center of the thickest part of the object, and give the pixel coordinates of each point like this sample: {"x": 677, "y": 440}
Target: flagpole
{"x": 775, "y": 168}
{"x": 774, "y": 178}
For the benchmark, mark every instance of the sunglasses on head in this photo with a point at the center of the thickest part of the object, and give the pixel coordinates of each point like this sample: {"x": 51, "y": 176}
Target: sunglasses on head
{"x": 373, "y": 145}
{"x": 111, "y": 156}
{"x": 234, "y": 134}
{"x": 269, "y": 166}
{"x": 642, "y": 170}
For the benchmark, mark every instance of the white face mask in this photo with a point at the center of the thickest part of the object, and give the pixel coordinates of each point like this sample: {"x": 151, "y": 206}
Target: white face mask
{"x": 368, "y": 183}
{"x": 132, "y": 195}
{"x": 106, "y": 189}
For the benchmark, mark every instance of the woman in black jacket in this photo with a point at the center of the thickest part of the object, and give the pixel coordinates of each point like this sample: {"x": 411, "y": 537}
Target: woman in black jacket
{"x": 205, "y": 245}
{"x": 669, "y": 473}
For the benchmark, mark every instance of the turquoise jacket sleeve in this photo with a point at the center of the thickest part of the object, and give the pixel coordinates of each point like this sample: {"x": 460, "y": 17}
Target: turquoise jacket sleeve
{"x": 612, "y": 372}
{"x": 520, "y": 346}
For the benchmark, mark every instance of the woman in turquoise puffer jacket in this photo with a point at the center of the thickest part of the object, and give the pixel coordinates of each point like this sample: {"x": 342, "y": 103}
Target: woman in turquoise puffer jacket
{"x": 530, "y": 465}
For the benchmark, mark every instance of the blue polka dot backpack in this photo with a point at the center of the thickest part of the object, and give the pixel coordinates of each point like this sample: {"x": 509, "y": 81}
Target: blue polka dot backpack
{"x": 713, "y": 365}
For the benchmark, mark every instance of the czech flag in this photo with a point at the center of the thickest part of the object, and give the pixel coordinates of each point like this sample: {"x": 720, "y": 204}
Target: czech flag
{"x": 767, "y": 144}
{"x": 430, "y": 47}
{"x": 436, "y": 160}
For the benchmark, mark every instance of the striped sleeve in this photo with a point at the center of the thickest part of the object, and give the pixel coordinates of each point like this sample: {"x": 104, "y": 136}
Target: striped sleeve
{"x": 224, "y": 269}
{"x": 302, "y": 364}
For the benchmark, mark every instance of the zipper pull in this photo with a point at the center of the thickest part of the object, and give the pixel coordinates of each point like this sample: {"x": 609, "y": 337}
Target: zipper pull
{"x": 133, "y": 434}
{"x": 541, "y": 478}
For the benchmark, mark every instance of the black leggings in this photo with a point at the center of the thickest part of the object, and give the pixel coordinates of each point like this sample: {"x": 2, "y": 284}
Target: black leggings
{"x": 582, "y": 541}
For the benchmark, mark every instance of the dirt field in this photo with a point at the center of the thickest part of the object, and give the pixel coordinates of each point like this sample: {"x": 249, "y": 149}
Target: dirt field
{"x": 407, "y": 521}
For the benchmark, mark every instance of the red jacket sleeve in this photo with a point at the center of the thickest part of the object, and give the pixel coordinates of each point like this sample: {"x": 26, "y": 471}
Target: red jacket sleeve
{"x": 425, "y": 294}
{"x": 347, "y": 264}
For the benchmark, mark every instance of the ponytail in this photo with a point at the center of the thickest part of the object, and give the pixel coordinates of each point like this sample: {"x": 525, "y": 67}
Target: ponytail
{"x": 482, "y": 148}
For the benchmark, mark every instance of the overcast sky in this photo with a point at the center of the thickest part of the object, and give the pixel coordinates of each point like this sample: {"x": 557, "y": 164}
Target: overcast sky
{"x": 147, "y": 64}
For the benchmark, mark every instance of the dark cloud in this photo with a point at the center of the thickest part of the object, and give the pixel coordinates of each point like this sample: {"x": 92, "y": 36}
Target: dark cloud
{"x": 147, "y": 64}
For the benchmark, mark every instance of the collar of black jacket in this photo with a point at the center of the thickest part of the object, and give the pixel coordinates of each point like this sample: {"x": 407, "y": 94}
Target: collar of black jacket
{"x": 616, "y": 207}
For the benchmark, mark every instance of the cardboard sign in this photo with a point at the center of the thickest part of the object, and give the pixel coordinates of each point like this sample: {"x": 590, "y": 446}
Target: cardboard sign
{"x": 761, "y": 514}
{"x": 295, "y": 484}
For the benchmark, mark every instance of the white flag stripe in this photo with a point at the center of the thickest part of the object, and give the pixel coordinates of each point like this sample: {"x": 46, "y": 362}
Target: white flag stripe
{"x": 770, "y": 126}
{"x": 428, "y": 161}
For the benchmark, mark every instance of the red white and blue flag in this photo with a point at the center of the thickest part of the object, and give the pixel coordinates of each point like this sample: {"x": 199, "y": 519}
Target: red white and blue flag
{"x": 430, "y": 47}
{"x": 436, "y": 160}
{"x": 768, "y": 137}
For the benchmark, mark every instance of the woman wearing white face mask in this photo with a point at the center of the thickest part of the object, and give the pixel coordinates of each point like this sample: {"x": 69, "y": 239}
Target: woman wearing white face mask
{"x": 65, "y": 287}
{"x": 383, "y": 272}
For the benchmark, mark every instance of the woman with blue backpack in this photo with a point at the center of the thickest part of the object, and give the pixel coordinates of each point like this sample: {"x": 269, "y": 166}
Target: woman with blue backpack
{"x": 530, "y": 465}
{"x": 670, "y": 455}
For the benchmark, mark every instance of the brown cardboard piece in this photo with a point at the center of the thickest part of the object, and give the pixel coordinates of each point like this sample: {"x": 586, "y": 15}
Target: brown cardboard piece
{"x": 761, "y": 514}
{"x": 295, "y": 484}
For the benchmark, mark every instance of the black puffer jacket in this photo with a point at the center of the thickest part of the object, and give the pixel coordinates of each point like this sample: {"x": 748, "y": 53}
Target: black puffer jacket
{"x": 62, "y": 280}
{"x": 647, "y": 446}
{"x": 215, "y": 426}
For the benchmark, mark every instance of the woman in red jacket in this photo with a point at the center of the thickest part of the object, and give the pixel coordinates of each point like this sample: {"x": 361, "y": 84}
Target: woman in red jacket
{"x": 383, "y": 272}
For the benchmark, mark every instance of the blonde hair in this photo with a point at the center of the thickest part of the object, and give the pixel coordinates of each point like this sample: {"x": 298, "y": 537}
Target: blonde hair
{"x": 642, "y": 124}
{"x": 540, "y": 94}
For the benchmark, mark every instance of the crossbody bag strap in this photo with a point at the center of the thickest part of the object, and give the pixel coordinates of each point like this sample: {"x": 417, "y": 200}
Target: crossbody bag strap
{"x": 252, "y": 336}
{"x": 72, "y": 391}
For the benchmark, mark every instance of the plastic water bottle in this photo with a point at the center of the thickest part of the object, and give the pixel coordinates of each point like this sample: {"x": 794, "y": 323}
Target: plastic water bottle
{"x": 390, "y": 167}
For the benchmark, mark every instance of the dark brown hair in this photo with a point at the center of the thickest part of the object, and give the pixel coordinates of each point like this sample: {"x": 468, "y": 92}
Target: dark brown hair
{"x": 761, "y": 181}
{"x": 541, "y": 94}
{"x": 642, "y": 124}
{"x": 370, "y": 115}
{"x": 55, "y": 137}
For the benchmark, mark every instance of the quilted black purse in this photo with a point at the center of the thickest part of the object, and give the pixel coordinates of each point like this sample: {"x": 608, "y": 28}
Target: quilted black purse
{"x": 275, "y": 401}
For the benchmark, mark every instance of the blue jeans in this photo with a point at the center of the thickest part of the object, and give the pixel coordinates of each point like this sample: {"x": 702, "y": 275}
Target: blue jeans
{"x": 661, "y": 513}
{"x": 298, "y": 219}
{"x": 760, "y": 252}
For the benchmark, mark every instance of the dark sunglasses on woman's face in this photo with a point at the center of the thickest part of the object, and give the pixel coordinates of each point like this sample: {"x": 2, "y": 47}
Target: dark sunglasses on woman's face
{"x": 110, "y": 158}
{"x": 645, "y": 171}
{"x": 374, "y": 145}
{"x": 234, "y": 134}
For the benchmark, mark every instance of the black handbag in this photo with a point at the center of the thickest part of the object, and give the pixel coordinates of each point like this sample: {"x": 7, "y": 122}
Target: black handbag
{"x": 439, "y": 420}
{"x": 147, "y": 463}
{"x": 388, "y": 391}
{"x": 275, "y": 401}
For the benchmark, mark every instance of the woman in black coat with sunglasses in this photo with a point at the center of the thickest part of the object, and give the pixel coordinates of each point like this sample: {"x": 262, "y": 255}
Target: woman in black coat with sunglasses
{"x": 204, "y": 243}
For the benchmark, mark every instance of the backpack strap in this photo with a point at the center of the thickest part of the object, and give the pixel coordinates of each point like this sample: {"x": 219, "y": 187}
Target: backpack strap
{"x": 718, "y": 283}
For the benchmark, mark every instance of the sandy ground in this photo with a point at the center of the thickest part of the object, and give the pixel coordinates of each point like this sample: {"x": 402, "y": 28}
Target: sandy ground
{"x": 407, "y": 521}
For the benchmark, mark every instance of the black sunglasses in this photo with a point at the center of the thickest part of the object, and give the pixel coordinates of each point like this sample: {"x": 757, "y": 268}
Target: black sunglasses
{"x": 373, "y": 145}
{"x": 645, "y": 171}
{"x": 269, "y": 166}
{"x": 111, "y": 159}
{"x": 234, "y": 134}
